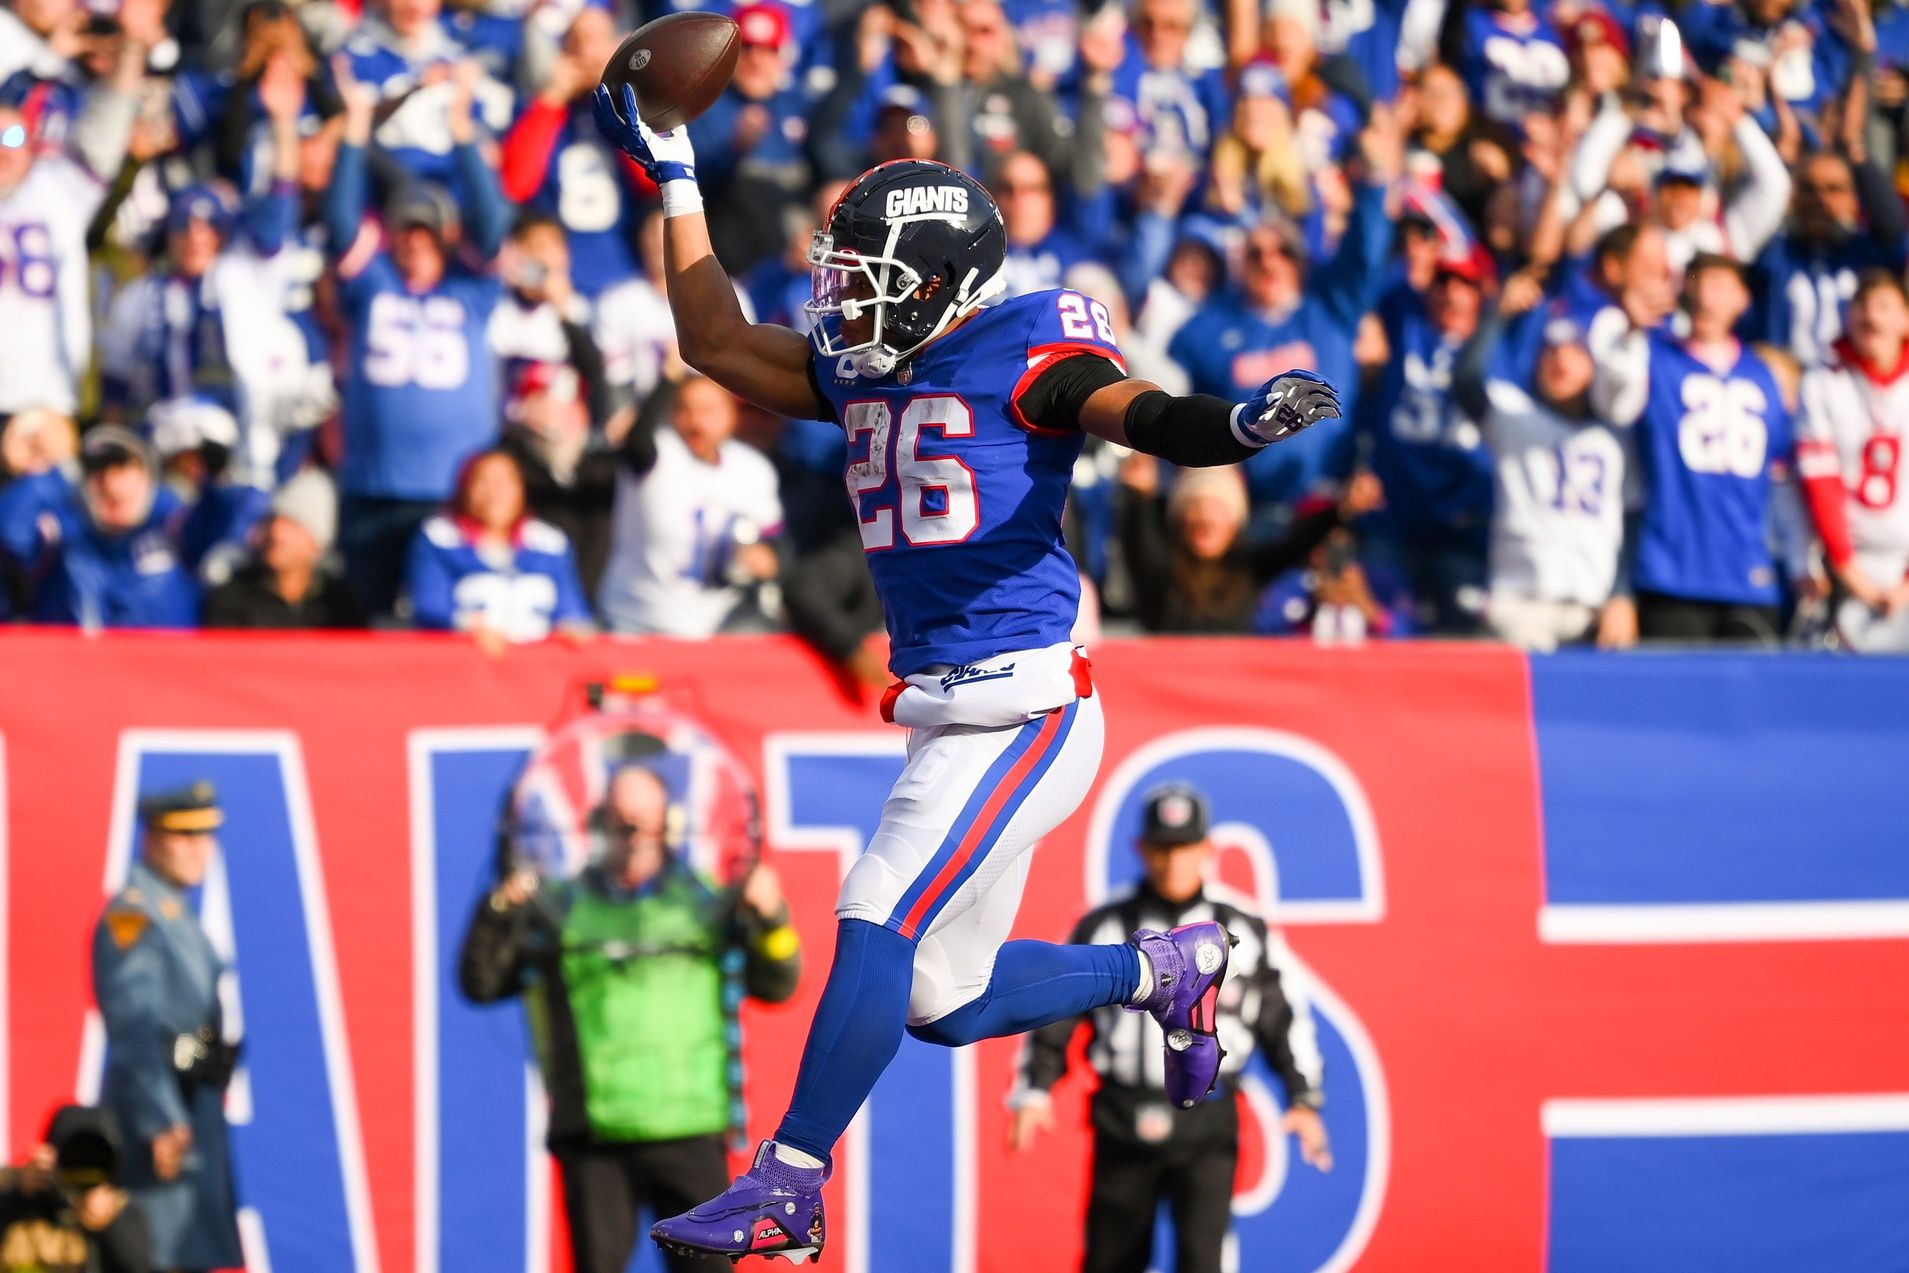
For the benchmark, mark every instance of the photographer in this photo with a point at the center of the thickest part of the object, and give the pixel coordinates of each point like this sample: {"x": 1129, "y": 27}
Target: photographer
{"x": 626, "y": 968}
{"x": 60, "y": 1210}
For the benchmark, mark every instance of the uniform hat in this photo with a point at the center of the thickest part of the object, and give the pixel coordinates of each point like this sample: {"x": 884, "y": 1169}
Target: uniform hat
{"x": 762, "y": 26}
{"x": 193, "y": 807}
{"x": 1176, "y": 814}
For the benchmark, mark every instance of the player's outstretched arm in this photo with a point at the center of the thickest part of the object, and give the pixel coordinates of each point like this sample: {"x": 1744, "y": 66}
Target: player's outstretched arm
{"x": 764, "y": 363}
{"x": 1199, "y": 430}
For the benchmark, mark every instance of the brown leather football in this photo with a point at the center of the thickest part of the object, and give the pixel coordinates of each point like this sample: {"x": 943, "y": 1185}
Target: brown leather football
{"x": 678, "y": 65}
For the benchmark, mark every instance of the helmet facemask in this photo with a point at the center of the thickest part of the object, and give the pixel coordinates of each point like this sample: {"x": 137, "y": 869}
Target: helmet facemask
{"x": 849, "y": 289}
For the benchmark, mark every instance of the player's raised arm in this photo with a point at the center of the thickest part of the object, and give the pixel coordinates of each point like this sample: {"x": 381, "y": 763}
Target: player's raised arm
{"x": 764, "y": 363}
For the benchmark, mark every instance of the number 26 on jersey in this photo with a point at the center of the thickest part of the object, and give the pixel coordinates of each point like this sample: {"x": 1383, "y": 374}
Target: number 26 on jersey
{"x": 934, "y": 495}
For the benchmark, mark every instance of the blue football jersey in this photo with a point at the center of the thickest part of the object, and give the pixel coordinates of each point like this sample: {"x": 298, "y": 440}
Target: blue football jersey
{"x": 959, "y": 498}
{"x": 1512, "y": 65}
{"x": 1707, "y": 441}
{"x": 1428, "y": 454}
{"x": 420, "y": 382}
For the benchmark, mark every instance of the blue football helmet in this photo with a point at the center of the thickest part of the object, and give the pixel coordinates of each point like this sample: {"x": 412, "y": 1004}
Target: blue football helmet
{"x": 909, "y": 248}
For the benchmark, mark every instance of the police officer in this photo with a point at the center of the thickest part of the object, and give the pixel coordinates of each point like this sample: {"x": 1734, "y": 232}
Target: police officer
{"x": 1145, "y": 1150}
{"x": 156, "y": 977}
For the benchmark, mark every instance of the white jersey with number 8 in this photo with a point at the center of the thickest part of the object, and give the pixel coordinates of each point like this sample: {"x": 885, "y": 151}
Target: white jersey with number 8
{"x": 43, "y": 285}
{"x": 1853, "y": 426}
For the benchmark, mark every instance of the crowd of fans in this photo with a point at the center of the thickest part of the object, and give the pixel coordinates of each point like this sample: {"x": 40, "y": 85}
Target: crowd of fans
{"x": 364, "y": 321}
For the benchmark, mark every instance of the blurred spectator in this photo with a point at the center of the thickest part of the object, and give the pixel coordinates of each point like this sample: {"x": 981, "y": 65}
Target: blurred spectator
{"x": 421, "y": 391}
{"x": 285, "y": 582}
{"x": 569, "y": 482}
{"x": 624, "y": 967}
{"x": 1336, "y": 598}
{"x": 1476, "y": 155}
{"x": 1426, "y": 449}
{"x": 554, "y": 162}
{"x": 426, "y": 85}
{"x": 1191, "y": 566}
{"x": 194, "y": 441}
{"x": 39, "y": 37}
{"x": 1289, "y": 311}
{"x": 1258, "y": 170}
{"x": 62, "y": 1211}
{"x": 1845, "y": 218}
{"x": 1557, "y": 526}
{"x": 164, "y": 338}
{"x": 1855, "y": 412}
{"x": 1147, "y": 1153}
{"x": 692, "y": 532}
{"x": 1511, "y": 58}
{"x": 170, "y": 1057}
{"x": 1324, "y": 118}
{"x": 541, "y": 318}
{"x": 1039, "y": 252}
{"x": 1714, "y": 437}
{"x": 833, "y": 606}
{"x": 107, "y": 555}
{"x": 1182, "y": 106}
{"x": 488, "y": 568}
{"x": 752, "y": 145}
{"x": 47, "y": 200}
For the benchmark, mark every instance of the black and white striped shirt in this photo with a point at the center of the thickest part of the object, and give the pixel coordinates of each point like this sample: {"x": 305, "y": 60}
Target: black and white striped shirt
{"x": 1263, "y": 1004}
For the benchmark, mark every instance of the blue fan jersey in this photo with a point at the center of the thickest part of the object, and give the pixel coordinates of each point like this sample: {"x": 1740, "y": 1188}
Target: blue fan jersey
{"x": 1707, "y": 442}
{"x": 958, "y": 497}
{"x": 1512, "y": 65}
{"x": 421, "y": 382}
{"x": 1427, "y": 453}
{"x": 523, "y": 592}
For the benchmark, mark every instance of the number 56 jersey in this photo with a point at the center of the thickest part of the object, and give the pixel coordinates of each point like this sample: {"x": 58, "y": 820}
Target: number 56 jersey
{"x": 959, "y": 495}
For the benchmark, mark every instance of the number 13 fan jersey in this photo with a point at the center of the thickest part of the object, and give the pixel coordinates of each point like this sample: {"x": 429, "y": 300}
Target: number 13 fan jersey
{"x": 959, "y": 497}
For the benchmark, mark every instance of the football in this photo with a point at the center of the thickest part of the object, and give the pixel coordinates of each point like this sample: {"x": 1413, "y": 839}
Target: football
{"x": 678, "y": 65}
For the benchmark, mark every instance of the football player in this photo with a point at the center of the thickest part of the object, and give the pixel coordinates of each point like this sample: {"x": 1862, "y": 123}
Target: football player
{"x": 963, "y": 421}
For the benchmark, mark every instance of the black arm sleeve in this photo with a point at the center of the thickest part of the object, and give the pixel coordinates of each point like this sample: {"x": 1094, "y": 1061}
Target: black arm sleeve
{"x": 1054, "y": 399}
{"x": 490, "y": 966}
{"x": 1194, "y": 432}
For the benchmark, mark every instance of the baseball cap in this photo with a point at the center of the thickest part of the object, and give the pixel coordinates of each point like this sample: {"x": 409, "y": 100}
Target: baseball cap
{"x": 1595, "y": 26}
{"x": 762, "y": 26}
{"x": 187, "y": 423}
{"x": 421, "y": 204}
{"x": 1472, "y": 264}
{"x": 556, "y": 379}
{"x": 198, "y": 202}
{"x": 1564, "y": 331}
{"x": 1175, "y": 814}
{"x": 108, "y": 445}
{"x": 1262, "y": 78}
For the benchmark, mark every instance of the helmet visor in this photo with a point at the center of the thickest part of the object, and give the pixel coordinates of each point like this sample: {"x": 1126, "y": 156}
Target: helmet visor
{"x": 849, "y": 296}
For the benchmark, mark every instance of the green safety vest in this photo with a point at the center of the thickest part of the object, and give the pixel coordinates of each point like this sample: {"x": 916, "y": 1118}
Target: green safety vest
{"x": 644, "y": 979}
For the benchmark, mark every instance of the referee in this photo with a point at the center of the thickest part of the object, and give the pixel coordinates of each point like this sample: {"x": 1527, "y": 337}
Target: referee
{"x": 1145, "y": 1150}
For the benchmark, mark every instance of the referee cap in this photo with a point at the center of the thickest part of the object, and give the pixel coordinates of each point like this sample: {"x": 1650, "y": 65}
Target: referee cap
{"x": 1175, "y": 814}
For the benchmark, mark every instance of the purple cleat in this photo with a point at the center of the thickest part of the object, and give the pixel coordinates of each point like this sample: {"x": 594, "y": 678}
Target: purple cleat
{"x": 772, "y": 1209}
{"x": 1189, "y": 964}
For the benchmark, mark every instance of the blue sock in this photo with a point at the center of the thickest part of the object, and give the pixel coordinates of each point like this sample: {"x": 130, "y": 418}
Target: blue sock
{"x": 855, "y": 1034}
{"x": 1034, "y": 983}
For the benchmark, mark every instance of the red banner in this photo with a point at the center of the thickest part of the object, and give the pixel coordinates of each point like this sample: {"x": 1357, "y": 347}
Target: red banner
{"x": 1388, "y": 800}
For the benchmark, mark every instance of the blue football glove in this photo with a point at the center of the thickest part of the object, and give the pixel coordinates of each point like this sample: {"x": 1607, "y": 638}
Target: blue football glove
{"x": 666, "y": 157}
{"x": 1286, "y": 405}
